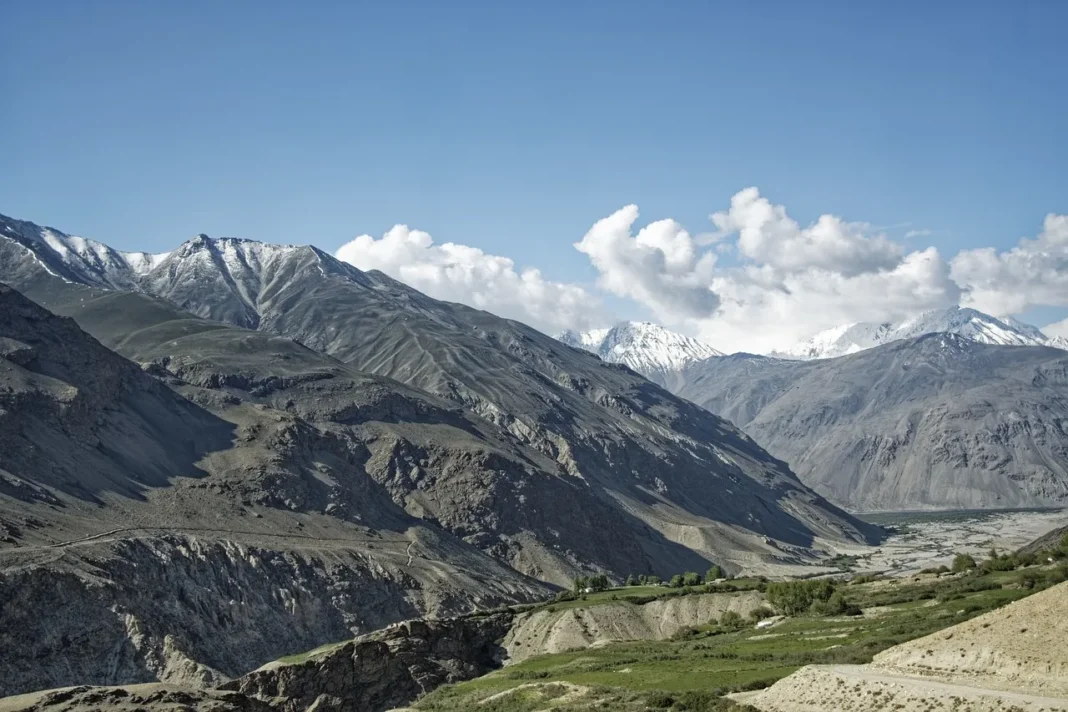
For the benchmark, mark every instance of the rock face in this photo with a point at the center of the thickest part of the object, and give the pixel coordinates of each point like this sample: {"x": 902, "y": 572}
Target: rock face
{"x": 934, "y": 422}
{"x": 133, "y": 698}
{"x": 383, "y": 670}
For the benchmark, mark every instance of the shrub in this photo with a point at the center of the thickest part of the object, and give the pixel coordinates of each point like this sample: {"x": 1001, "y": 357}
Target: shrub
{"x": 836, "y": 605}
{"x": 935, "y": 570}
{"x": 631, "y": 581}
{"x": 759, "y": 614}
{"x": 714, "y": 572}
{"x": 652, "y": 580}
{"x": 565, "y": 596}
{"x": 691, "y": 578}
{"x": 731, "y": 619}
{"x": 963, "y": 562}
{"x": 599, "y": 582}
{"x": 794, "y": 597}
{"x": 676, "y": 581}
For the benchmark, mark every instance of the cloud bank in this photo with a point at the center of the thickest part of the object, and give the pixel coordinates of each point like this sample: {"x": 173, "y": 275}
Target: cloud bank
{"x": 758, "y": 282}
{"x": 458, "y": 273}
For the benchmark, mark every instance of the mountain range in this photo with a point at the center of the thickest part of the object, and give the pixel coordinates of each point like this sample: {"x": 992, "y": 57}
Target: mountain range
{"x": 969, "y": 323}
{"x": 235, "y": 451}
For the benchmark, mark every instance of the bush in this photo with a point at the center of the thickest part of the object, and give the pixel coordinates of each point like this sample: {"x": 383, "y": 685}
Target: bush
{"x": 759, "y": 614}
{"x": 795, "y": 597}
{"x": 676, "y": 581}
{"x": 962, "y": 563}
{"x": 691, "y": 578}
{"x": 652, "y": 580}
{"x": 566, "y": 596}
{"x": 731, "y": 619}
{"x": 935, "y": 570}
{"x": 631, "y": 581}
{"x": 836, "y": 605}
{"x": 714, "y": 572}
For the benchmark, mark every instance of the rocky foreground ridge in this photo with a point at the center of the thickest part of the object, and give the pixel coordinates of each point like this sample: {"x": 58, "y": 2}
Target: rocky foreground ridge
{"x": 378, "y": 671}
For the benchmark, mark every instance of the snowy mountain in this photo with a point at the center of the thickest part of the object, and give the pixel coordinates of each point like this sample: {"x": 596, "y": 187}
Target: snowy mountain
{"x": 76, "y": 259}
{"x": 649, "y": 349}
{"x": 969, "y": 323}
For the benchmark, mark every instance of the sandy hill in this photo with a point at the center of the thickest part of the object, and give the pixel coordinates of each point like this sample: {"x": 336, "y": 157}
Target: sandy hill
{"x": 1014, "y": 658}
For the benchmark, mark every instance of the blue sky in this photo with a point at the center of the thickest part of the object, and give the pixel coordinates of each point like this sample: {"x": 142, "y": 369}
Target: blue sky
{"x": 514, "y": 127}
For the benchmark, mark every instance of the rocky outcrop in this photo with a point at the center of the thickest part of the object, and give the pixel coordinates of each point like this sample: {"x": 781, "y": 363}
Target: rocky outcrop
{"x": 133, "y": 698}
{"x": 548, "y": 631}
{"x": 386, "y": 669}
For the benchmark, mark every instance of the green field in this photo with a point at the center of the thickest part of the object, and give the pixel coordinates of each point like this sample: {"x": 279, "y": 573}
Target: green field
{"x": 693, "y": 671}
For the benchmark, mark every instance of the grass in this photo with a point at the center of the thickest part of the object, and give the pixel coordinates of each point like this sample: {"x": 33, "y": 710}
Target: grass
{"x": 696, "y": 669}
{"x": 309, "y": 654}
{"x": 643, "y": 594}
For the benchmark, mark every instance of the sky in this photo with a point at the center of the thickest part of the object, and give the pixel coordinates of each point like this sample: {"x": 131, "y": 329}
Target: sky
{"x": 748, "y": 173}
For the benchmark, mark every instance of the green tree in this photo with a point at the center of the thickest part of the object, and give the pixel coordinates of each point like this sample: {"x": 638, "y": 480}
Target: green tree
{"x": 792, "y": 598}
{"x": 580, "y": 584}
{"x": 599, "y": 582}
{"x": 631, "y": 581}
{"x": 963, "y": 562}
{"x": 714, "y": 572}
{"x": 652, "y": 580}
{"x": 691, "y": 578}
{"x": 676, "y": 581}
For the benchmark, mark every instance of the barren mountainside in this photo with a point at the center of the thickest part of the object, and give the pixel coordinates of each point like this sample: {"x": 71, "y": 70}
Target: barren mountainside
{"x": 290, "y": 451}
{"x": 938, "y": 421}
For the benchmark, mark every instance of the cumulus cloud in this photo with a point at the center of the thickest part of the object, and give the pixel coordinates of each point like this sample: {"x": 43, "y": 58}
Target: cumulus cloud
{"x": 767, "y": 234}
{"x": 468, "y": 275}
{"x": 1035, "y": 272}
{"x": 1056, "y": 329}
{"x": 790, "y": 282}
{"x": 658, "y": 267}
{"x": 760, "y": 281}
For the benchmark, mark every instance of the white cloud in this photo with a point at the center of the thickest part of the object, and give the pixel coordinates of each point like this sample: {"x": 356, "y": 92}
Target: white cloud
{"x": 468, "y": 275}
{"x": 659, "y": 267}
{"x": 766, "y": 234}
{"x": 792, "y": 280}
{"x": 1059, "y": 328}
{"x": 1035, "y": 272}
{"x": 922, "y": 232}
{"x": 760, "y": 282}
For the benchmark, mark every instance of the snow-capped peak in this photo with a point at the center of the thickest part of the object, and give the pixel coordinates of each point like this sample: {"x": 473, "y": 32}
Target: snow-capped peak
{"x": 91, "y": 261}
{"x": 649, "y": 349}
{"x": 968, "y": 323}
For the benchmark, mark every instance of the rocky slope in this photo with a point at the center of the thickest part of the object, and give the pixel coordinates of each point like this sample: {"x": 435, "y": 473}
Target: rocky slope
{"x": 939, "y": 421}
{"x": 374, "y": 672}
{"x": 610, "y": 452}
{"x": 548, "y": 631}
{"x": 386, "y": 669}
{"x": 191, "y": 525}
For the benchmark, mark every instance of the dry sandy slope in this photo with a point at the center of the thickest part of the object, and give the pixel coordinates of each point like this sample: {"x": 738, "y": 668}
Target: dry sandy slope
{"x": 1023, "y": 646}
{"x": 556, "y": 631}
{"x": 861, "y": 688}
{"x": 1014, "y": 658}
